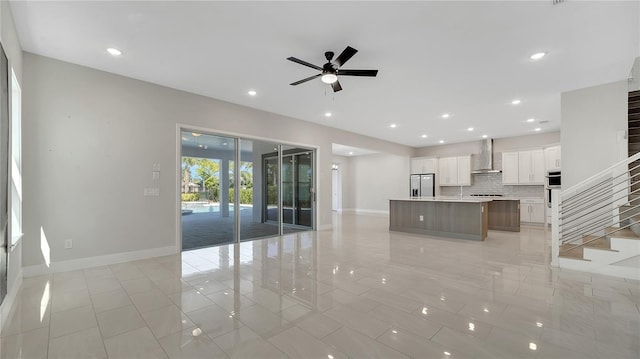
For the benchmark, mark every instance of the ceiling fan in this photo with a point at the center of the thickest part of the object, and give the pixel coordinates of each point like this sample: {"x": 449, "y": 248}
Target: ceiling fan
{"x": 331, "y": 70}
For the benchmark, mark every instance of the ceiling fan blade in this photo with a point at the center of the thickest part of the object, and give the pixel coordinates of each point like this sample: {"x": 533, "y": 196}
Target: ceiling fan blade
{"x": 305, "y": 80}
{"x": 301, "y": 62}
{"x": 368, "y": 73}
{"x": 345, "y": 56}
{"x": 336, "y": 86}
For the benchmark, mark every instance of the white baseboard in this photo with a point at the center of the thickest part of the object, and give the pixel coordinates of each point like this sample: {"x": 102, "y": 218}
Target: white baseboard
{"x": 83, "y": 263}
{"x": 588, "y": 266}
{"x": 9, "y": 300}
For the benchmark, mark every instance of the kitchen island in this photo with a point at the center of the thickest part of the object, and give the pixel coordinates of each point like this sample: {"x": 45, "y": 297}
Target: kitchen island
{"x": 453, "y": 217}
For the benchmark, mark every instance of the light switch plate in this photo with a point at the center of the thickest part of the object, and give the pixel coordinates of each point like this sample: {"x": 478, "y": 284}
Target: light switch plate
{"x": 156, "y": 175}
{"x": 152, "y": 192}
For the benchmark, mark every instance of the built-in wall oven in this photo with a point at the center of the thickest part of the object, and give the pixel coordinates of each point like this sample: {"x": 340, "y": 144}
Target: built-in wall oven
{"x": 553, "y": 182}
{"x": 553, "y": 179}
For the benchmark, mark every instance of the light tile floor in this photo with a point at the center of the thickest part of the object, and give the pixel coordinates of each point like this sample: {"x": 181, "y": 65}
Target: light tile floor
{"x": 357, "y": 291}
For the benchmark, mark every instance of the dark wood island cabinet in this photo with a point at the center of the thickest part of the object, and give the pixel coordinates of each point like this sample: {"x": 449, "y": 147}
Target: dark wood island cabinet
{"x": 504, "y": 215}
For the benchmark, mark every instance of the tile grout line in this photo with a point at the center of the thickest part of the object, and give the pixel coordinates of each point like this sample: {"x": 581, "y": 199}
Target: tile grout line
{"x": 141, "y": 316}
{"x": 104, "y": 346}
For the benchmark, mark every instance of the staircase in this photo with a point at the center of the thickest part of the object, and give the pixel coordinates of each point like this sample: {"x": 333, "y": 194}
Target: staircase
{"x": 634, "y": 131}
{"x": 598, "y": 223}
{"x": 598, "y": 220}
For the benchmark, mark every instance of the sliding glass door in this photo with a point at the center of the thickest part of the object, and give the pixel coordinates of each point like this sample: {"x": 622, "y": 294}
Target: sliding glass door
{"x": 235, "y": 189}
{"x": 207, "y": 190}
{"x": 256, "y": 191}
{"x": 298, "y": 191}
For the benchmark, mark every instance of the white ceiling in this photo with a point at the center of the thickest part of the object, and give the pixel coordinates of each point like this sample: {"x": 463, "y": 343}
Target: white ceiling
{"x": 349, "y": 151}
{"x": 469, "y": 59}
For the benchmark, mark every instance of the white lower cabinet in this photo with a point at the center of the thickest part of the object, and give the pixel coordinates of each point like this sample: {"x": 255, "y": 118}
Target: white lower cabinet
{"x": 532, "y": 210}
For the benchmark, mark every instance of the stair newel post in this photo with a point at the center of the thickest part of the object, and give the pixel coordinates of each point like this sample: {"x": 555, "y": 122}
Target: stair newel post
{"x": 555, "y": 227}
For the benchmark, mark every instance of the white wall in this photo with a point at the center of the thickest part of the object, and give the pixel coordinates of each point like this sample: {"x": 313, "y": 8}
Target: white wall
{"x": 90, "y": 139}
{"x": 591, "y": 121}
{"x": 373, "y": 180}
{"x": 344, "y": 173}
{"x": 13, "y": 50}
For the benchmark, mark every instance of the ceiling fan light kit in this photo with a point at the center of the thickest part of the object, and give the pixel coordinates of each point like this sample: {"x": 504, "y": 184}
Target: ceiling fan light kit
{"x": 329, "y": 78}
{"x": 331, "y": 70}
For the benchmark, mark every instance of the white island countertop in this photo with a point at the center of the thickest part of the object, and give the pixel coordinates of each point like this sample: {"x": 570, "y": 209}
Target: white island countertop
{"x": 455, "y": 199}
{"x": 444, "y": 199}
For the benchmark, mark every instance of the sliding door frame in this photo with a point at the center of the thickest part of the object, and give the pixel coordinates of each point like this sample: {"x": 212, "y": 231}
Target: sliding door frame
{"x": 237, "y": 138}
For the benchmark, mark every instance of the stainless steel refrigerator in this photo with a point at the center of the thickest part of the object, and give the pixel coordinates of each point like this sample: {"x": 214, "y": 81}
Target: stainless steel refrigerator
{"x": 423, "y": 185}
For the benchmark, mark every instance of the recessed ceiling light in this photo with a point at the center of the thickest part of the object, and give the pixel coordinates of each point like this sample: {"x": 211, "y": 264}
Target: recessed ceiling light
{"x": 194, "y": 134}
{"x": 445, "y": 115}
{"x": 393, "y": 125}
{"x": 252, "y": 92}
{"x": 424, "y": 136}
{"x": 114, "y": 51}
{"x": 350, "y": 153}
{"x": 533, "y": 346}
{"x": 531, "y": 120}
{"x": 515, "y": 102}
{"x": 441, "y": 141}
{"x": 484, "y": 136}
{"x": 327, "y": 114}
{"x": 538, "y": 55}
{"x": 470, "y": 129}
{"x": 537, "y": 129}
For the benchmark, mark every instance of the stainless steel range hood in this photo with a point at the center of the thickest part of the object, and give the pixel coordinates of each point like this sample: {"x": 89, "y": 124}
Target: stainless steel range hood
{"x": 485, "y": 159}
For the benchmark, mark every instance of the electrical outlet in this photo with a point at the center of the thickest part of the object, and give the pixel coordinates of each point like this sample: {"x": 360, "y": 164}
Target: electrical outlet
{"x": 68, "y": 243}
{"x": 421, "y": 218}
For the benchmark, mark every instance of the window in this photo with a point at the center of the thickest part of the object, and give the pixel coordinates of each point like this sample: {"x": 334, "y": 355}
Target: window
{"x": 16, "y": 159}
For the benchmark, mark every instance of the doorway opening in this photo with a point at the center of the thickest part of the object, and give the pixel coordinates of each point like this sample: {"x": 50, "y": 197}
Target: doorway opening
{"x": 271, "y": 190}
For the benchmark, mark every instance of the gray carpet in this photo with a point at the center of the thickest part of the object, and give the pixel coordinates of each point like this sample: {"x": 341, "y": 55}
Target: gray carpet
{"x": 210, "y": 228}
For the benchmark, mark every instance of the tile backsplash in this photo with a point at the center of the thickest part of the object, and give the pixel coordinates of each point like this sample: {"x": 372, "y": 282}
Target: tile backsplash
{"x": 491, "y": 183}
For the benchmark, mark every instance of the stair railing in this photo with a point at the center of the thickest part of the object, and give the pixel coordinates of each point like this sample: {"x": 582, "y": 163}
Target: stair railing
{"x": 598, "y": 206}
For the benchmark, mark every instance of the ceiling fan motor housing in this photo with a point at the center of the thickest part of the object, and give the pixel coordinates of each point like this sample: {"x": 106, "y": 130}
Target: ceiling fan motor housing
{"x": 329, "y": 55}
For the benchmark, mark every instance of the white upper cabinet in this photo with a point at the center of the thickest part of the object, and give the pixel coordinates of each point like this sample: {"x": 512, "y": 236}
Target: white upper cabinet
{"x": 443, "y": 172}
{"x": 531, "y": 167}
{"x": 420, "y": 165}
{"x": 552, "y": 158}
{"x": 464, "y": 171}
{"x": 510, "y": 168}
{"x": 455, "y": 171}
{"x": 523, "y": 167}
